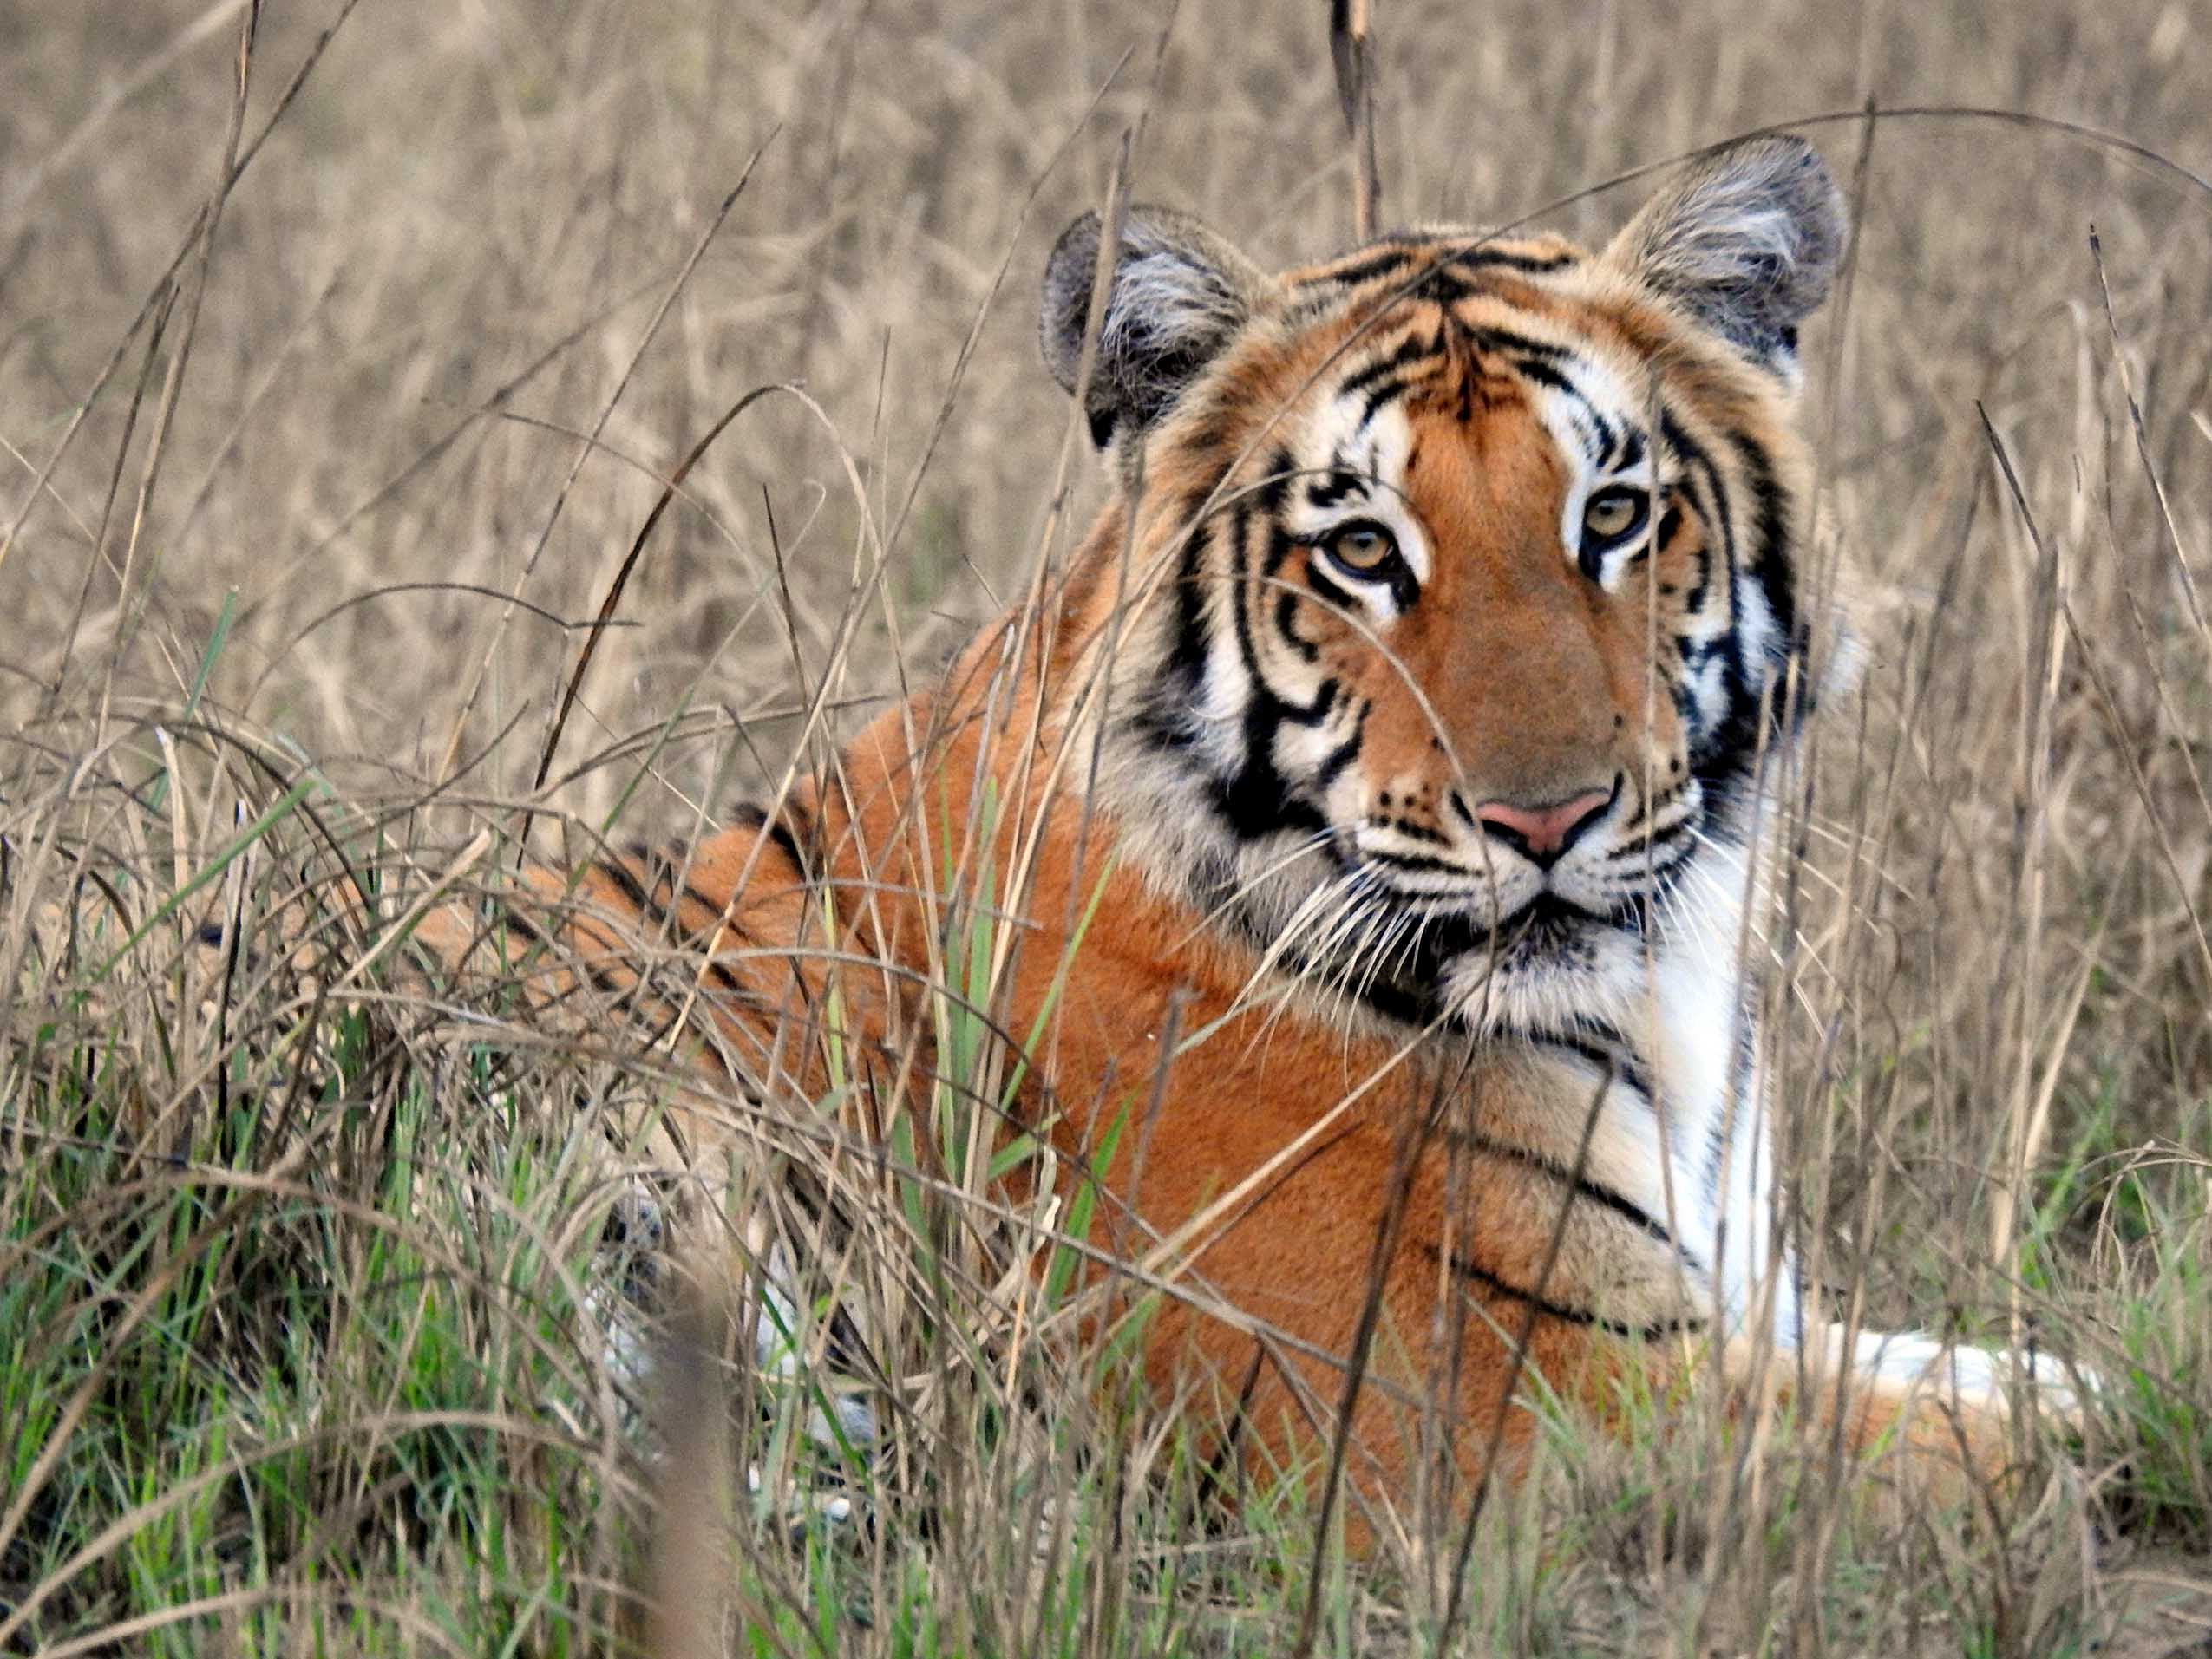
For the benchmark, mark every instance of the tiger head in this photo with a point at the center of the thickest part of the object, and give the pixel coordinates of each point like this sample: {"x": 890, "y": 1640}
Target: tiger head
{"x": 1450, "y": 598}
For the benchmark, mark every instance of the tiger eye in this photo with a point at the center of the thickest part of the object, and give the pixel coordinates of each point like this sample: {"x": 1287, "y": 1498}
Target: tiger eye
{"x": 1362, "y": 547}
{"x": 1612, "y": 514}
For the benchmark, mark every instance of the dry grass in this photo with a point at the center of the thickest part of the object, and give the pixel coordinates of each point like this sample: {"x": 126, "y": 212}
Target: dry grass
{"x": 302, "y": 1284}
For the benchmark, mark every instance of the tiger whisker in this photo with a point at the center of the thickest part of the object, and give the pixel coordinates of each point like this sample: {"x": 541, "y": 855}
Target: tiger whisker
{"x": 1330, "y": 897}
{"x": 1244, "y": 889}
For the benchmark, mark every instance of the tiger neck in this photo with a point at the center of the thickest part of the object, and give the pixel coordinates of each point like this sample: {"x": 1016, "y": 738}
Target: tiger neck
{"x": 1682, "y": 1130}
{"x": 1683, "y": 1126}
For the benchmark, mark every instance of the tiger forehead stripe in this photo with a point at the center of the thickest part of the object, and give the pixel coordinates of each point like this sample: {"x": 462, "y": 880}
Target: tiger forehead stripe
{"x": 1478, "y": 350}
{"x": 1432, "y": 258}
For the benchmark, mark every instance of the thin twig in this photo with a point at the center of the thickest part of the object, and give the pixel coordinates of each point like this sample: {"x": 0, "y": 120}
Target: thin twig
{"x": 1352, "y": 49}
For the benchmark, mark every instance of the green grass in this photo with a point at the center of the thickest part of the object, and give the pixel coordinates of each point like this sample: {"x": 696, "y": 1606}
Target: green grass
{"x": 283, "y": 1378}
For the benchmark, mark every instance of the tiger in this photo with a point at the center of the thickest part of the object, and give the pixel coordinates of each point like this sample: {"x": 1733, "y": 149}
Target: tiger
{"x": 1379, "y": 800}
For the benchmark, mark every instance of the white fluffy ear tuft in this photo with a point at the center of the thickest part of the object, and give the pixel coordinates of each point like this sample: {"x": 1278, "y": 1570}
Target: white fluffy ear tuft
{"x": 1179, "y": 294}
{"x": 1747, "y": 241}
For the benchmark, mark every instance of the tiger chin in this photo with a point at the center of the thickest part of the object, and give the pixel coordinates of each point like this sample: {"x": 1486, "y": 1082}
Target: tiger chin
{"x": 1382, "y": 789}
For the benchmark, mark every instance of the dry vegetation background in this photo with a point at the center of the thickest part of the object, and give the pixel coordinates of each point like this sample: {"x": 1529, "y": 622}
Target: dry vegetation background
{"x": 445, "y": 349}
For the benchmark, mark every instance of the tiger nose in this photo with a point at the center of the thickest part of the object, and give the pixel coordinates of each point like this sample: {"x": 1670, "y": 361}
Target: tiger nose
{"x": 1542, "y": 834}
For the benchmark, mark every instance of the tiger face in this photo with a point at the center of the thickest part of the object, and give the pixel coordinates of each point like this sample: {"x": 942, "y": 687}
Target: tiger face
{"x": 1470, "y": 601}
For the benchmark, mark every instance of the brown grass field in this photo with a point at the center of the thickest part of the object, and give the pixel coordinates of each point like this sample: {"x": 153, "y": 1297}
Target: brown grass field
{"x": 328, "y": 413}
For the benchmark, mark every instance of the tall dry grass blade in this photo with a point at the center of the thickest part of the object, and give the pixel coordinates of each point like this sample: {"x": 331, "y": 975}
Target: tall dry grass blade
{"x": 467, "y": 704}
{"x": 1352, "y": 50}
{"x": 2175, "y": 546}
{"x": 604, "y": 619}
{"x": 691, "y": 1562}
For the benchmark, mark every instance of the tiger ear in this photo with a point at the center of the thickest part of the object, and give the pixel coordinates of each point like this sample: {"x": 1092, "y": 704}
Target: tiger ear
{"x": 1179, "y": 293}
{"x": 1746, "y": 241}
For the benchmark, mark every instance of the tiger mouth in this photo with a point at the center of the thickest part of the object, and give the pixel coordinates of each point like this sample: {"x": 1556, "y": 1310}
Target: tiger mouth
{"x": 1409, "y": 973}
{"x": 1548, "y": 918}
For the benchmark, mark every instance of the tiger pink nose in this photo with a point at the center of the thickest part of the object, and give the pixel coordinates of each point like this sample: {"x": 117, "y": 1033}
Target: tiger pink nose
{"x": 1542, "y": 832}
